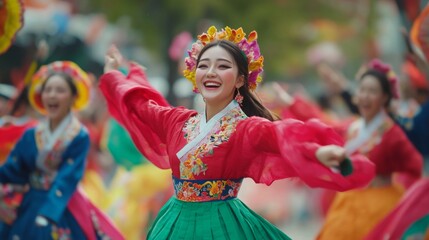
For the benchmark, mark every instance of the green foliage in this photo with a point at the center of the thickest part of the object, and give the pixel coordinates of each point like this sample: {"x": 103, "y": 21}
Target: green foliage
{"x": 282, "y": 25}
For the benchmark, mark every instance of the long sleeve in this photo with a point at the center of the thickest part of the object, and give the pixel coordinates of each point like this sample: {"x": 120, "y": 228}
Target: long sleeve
{"x": 143, "y": 112}
{"x": 402, "y": 157}
{"x": 283, "y": 149}
{"x": 304, "y": 110}
{"x": 17, "y": 166}
{"x": 68, "y": 176}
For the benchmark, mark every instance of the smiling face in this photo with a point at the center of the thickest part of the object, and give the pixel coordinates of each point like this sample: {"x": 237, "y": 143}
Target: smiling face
{"x": 57, "y": 97}
{"x": 217, "y": 76}
{"x": 370, "y": 97}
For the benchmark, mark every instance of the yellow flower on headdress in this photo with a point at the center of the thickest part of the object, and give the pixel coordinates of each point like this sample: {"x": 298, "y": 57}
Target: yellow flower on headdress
{"x": 222, "y": 35}
{"x": 209, "y": 36}
{"x": 249, "y": 48}
{"x": 255, "y": 65}
{"x": 252, "y": 36}
{"x": 212, "y": 32}
{"x": 190, "y": 75}
{"x": 228, "y": 31}
{"x": 239, "y": 34}
{"x": 204, "y": 38}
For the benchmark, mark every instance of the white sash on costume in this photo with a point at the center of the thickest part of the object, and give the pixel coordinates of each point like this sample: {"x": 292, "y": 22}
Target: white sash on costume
{"x": 205, "y": 128}
{"x": 365, "y": 132}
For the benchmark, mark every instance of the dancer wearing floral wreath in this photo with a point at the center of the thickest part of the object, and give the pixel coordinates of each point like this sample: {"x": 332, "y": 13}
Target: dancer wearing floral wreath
{"x": 50, "y": 159}
{"x": 235, "y": 137}
{"x": 355, "y": 213}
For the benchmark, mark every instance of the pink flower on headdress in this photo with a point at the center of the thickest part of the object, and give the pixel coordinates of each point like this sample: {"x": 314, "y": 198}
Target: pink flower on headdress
{"x": 196, "y": 48}
{"x": 386, "y": 69}
{"x": 253, "y": 75}
{"x": 254, "y": 48}
{"x": 244, "y": 46}
{"x": 190, "y": 63}
{"x": 378, "y": 65}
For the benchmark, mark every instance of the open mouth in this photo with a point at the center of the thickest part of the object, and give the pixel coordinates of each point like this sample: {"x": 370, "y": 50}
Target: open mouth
{"x": 211, "y": 85}
{"x": 53, "y": 106}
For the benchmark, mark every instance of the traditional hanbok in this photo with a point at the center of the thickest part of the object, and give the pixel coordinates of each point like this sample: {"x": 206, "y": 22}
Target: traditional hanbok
{"x": 416, "y": 126}
{"x": 354, "y": 213}
{"x": 209, "y": 159}
{"x": 52, "y": 164}
{"x": 409, "y": 219}
{"x": 11, "y": 130}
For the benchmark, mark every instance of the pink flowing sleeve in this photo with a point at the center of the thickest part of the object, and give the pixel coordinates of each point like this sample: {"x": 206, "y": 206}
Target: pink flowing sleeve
{"x": 411, "y": 208}
{"x": 283, "y": 149}
{"x": 304, "y": 110}
{"x": 143, "y": 111}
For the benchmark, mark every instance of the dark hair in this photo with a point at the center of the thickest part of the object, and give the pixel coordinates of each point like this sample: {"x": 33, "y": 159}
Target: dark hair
{"x": 68, "y": 78}
{"x": 384, "y": 82}
{"x": 251, "y": 106}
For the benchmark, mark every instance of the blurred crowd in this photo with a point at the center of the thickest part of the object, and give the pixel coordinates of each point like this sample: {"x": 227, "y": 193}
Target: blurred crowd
{"x": 121, "y": 181}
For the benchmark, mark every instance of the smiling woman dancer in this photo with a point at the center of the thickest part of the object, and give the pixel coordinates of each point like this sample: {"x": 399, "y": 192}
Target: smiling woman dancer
{"x": 50, "y": 158}
{"x": 210, "y": 153}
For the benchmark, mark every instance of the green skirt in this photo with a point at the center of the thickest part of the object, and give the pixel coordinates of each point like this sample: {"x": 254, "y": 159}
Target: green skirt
{"x": 230, "y": 219}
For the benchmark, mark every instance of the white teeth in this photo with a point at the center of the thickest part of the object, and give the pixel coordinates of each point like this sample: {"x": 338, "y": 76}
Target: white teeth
{"x": 211, "y": 84}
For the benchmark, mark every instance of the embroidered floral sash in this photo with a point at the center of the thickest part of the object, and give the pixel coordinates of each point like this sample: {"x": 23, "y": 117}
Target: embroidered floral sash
{"x": 206, "y": 190}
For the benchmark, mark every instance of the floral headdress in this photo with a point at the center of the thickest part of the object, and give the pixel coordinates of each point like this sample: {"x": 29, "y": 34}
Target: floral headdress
{"x": 249, "y": 46}
{"x": 80, "y": 79}
{"x": 378, "y": 65}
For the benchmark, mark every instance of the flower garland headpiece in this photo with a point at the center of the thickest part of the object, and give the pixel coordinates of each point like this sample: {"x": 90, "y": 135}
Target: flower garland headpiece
{"x": 80, "y": 79}
{"x": 378, "y": 65}
{"x": 249, "y": 46}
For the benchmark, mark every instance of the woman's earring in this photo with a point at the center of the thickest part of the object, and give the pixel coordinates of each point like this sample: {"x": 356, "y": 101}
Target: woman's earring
{"x": 239, "y": 98}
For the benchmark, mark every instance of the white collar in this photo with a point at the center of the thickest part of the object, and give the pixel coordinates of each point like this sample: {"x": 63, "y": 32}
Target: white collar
{"x": 365, "y": 131}
{"x": 52, "y": 137}
{"x": 206, "y": 127}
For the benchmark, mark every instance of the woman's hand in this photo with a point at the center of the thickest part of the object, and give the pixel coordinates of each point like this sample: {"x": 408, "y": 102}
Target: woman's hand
{"x": 282, "y": 95}
{"x": 112, "y": 59}
{"x": 331, "y": 155}
{"x": 41, "y": 221}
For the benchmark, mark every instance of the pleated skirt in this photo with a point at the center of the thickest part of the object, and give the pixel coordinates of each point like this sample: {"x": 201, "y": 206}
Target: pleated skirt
{"x": 230, "y": 219}
{"x": 354, "y": 213}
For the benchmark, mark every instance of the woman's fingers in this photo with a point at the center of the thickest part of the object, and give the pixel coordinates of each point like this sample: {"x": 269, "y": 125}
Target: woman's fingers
{"x": 113, "y": 59}
{"x": 331, "y": 155}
